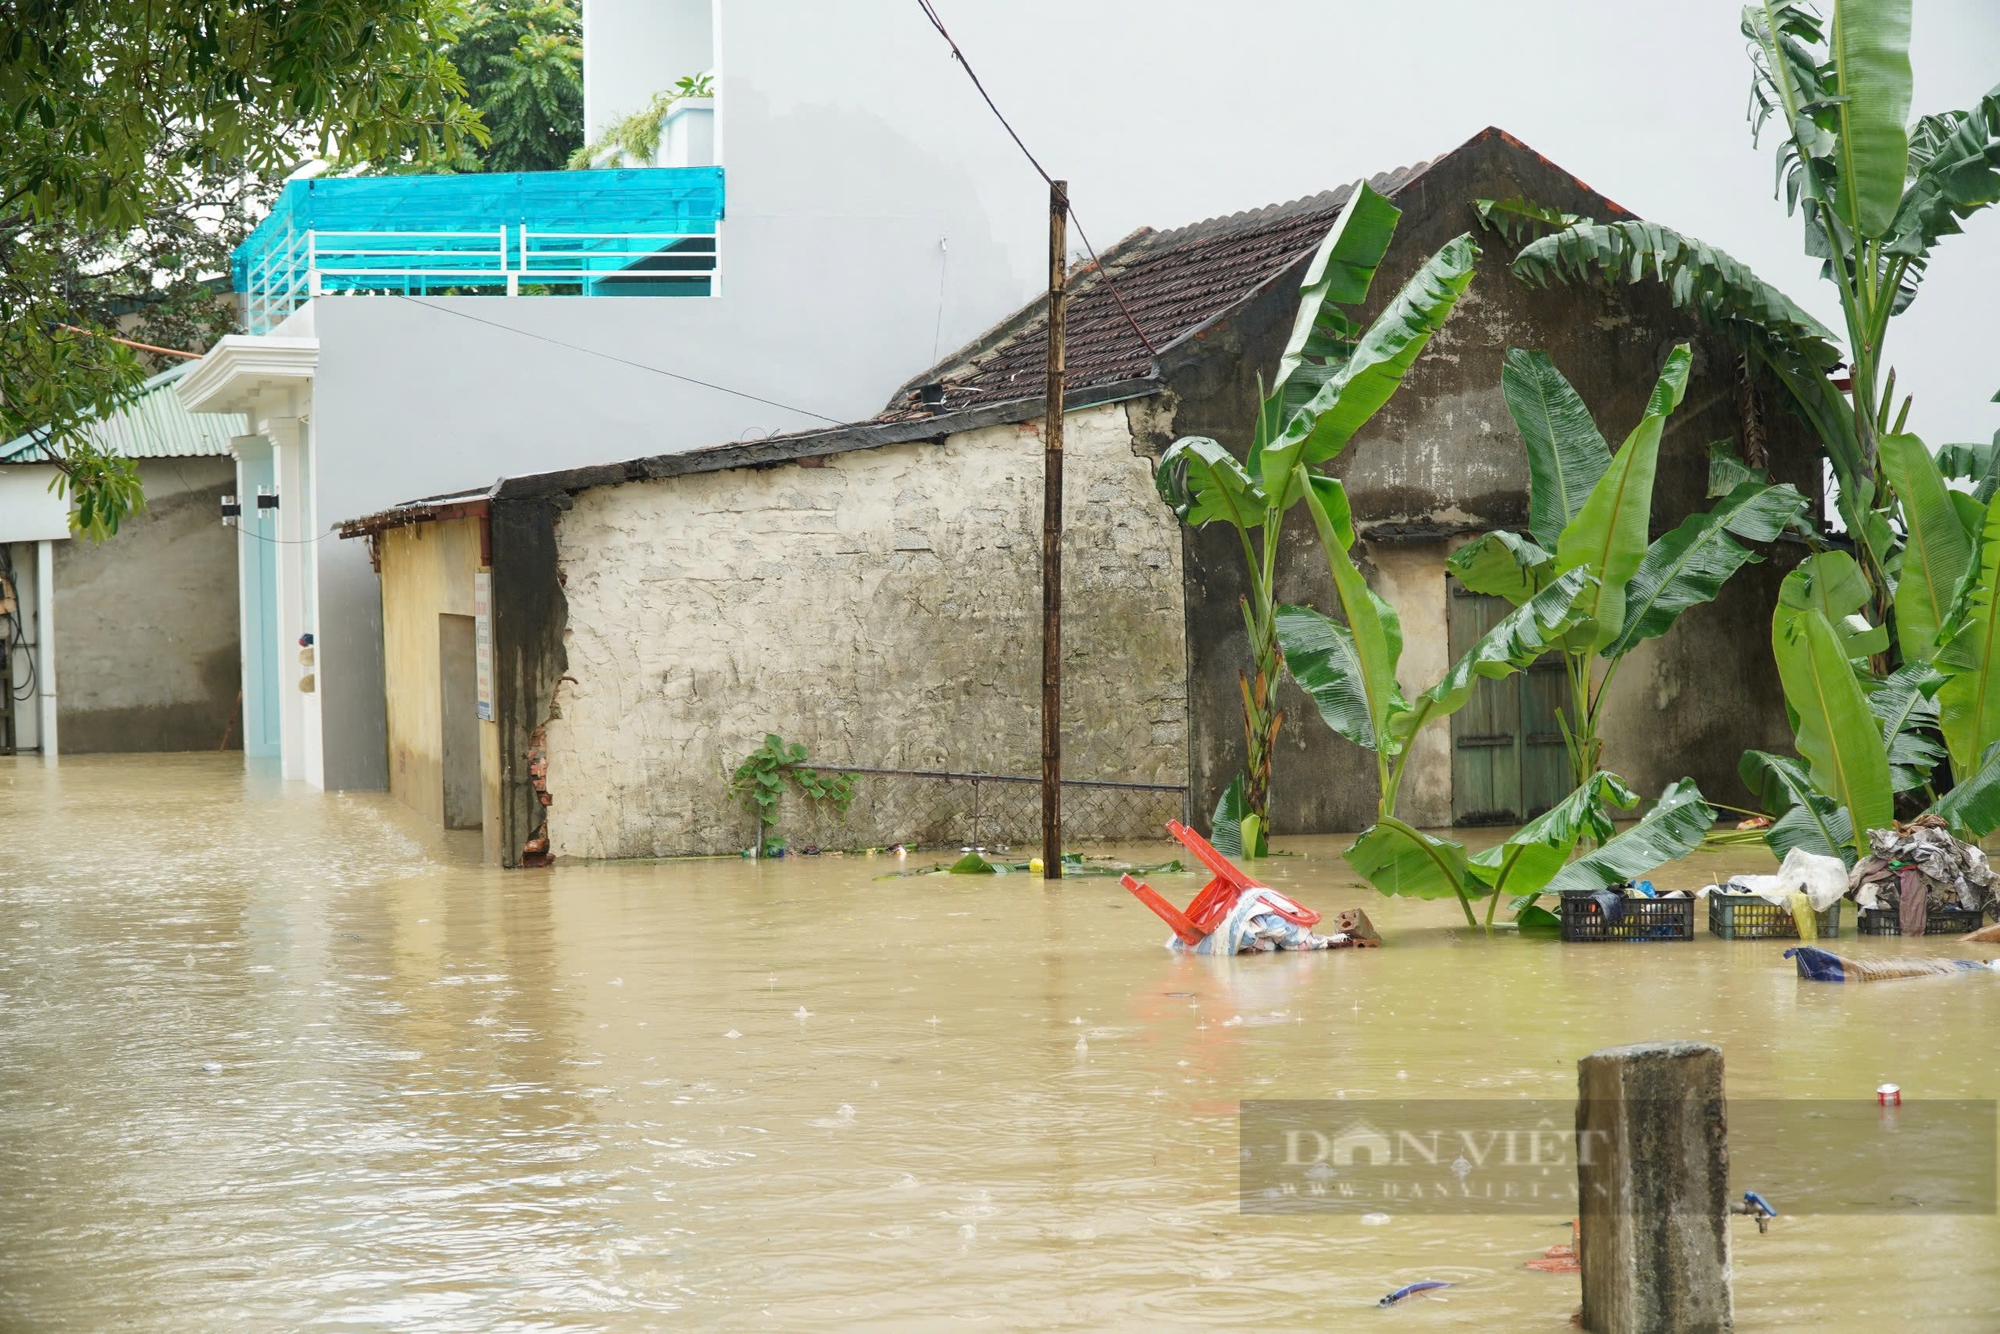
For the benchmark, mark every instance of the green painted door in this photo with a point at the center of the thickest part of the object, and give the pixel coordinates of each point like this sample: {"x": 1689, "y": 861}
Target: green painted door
{"x": 1508, "y": 764}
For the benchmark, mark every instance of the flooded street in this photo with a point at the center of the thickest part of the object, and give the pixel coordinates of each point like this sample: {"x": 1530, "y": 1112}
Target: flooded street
{"x": 271, "y": 1059}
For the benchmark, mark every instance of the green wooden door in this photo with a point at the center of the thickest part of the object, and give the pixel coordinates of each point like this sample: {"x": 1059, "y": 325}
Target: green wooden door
{"x": 1508, "y": 764}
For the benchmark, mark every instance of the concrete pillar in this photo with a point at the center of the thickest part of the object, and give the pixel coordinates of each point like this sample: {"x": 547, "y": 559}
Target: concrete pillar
{"x": 1653, "y": 1181}
{"x": 45, "y": 646}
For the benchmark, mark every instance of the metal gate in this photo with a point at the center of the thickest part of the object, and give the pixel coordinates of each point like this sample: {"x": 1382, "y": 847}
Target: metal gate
{"x": 1508, "y": 763}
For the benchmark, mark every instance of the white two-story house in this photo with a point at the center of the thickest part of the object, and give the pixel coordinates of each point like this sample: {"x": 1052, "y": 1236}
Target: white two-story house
{"x": 806, "y": 237}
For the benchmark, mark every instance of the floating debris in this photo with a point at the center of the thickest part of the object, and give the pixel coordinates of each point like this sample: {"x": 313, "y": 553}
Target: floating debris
{"x": 1412, "y": 1289}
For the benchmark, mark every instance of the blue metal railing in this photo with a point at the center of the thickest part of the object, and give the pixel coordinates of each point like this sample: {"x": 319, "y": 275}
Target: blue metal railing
{"x": 637, "y": 232}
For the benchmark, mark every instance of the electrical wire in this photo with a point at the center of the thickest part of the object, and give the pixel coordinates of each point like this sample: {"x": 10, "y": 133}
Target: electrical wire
{"x": 143, "y": 347}
{"x": 287, "y": 541}
{"x": 635, "y": 365}
{"x": 1069, "y": 208}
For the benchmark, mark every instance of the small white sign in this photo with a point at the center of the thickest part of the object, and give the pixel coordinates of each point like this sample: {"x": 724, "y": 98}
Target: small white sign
{"x": 482, "y": 640}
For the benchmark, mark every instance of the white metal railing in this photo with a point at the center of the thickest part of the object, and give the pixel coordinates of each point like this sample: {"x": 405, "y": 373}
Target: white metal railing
{"x": 303, "y": 265}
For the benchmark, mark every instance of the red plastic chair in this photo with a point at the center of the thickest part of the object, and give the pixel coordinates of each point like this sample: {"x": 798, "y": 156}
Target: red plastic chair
{"x": 1217, "y": 898}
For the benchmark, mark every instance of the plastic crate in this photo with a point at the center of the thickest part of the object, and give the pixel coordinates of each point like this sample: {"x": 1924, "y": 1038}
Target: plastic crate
{"x": 1749, "y": 917}
{"x": 1941, "y": 922}
{"x": 1583, "y": 919}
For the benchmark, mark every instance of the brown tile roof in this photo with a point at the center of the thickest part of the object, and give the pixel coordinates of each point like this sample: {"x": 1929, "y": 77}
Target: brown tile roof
{"x": 1174, "y": 283}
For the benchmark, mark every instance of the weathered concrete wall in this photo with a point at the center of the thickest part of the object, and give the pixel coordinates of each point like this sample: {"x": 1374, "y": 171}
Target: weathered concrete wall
{"x": 1442, "y": 459}
{"x": 881, "y": 606}
{"x": 427, "y": 571}
{"x": 146, "y": 625}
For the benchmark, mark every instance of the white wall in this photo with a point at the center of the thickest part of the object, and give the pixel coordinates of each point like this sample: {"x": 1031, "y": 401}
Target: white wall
{"x": 856, "y": 246}
{"x": 635, "y": 48}
{"x": 29, "y": 511}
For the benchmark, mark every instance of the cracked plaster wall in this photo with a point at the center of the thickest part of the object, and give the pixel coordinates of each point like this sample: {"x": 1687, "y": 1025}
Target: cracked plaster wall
{"x": 883, "y": 608}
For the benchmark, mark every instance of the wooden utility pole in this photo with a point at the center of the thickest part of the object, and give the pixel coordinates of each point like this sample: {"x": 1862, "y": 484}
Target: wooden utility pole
{"x": 1052, "y": 527}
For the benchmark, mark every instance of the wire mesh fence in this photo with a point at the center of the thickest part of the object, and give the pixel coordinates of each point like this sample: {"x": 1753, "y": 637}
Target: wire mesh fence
{"x": 917, "y": 808}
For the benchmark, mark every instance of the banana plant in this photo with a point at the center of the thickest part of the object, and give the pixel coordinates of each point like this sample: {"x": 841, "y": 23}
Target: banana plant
{"x": 1862, "y": 740}
{"x": 1535, "y": 860}
{"x": 1876, "y": 193}
{"x": 1348, "y": 668}
{"x": 1589, "y": 509}
{"x": 1333, "y": 377}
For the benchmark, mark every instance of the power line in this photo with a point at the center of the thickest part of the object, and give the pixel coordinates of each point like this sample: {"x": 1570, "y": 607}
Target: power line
{"x": 143, "y": 347}
{"x": 622, "y": 361}
{"x": 1083, "y": 236}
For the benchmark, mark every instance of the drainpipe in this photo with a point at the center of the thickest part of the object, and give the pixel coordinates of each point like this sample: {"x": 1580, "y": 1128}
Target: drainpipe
{"x": 45, "y": 644}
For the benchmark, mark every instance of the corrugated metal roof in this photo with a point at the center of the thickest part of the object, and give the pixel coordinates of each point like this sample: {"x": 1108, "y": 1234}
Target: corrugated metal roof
{"x": 153, "y": 425}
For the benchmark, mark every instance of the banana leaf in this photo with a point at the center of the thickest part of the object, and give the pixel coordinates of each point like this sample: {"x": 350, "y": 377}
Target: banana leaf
{"x": 1807, "y": 817}
{"x": 1341, "y": 272}
{"x": 1321, "y": 426}
{"x": 1689, "y": 565}
{"x": 1936, "y": 552}
{"x": 1503, "y": 564}
{"x": 1520, "y": 216}
{"x": 1225, "y": 826}
{"x": 1870, "y": 47}
{"x": 1726, "y": 472}
{"x": 1398, "y": 859}
{"x": 1832, "y": 584}
{"x": 1512, "y": 645}
{"x": 1204, "y": 483}
{"x": 1971, "y": 513}
{"x": 1566, "y": 453}
{"x": 1727, "y": 296}
{"x": 1535, "y": 853}
{"x": 1836, "y": 732}
{"x": 1373, "y": 630}
{"x": 1321, "y": 656}
{"x": 1954, "y": 172}
{"x": 1972, "y": 808}
{"x": 1671, "y": 830}
{"x": 1964, "y": 463}
{"x": 1906, "y": 705}
{"x": 1969, "y": 699}
{"x": 1608, "y": 534}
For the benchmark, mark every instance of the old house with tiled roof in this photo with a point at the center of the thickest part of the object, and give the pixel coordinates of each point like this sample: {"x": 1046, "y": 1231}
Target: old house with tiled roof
{"x": 872, "y": 590}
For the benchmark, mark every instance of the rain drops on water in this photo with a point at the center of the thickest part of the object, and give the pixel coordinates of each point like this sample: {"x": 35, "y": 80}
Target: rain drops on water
{"x": 802, "y": 1013}
{"x": 1081, "y": 1043}
{"x": 732, "y": 1033}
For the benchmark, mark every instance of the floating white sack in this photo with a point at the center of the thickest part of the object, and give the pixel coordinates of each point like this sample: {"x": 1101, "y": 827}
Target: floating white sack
{"x": 1824, "y": 879}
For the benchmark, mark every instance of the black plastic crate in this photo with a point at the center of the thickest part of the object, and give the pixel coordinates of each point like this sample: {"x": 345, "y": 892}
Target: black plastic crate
{"x": 1644, "y": 919}
{"x": 1942, "y": 922}
{"x": 1750, "y": 917}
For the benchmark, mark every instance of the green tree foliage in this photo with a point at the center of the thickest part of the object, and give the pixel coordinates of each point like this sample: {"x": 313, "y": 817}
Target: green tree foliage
{"x": 127, "y": 131}
{"x": 522, "y": 63}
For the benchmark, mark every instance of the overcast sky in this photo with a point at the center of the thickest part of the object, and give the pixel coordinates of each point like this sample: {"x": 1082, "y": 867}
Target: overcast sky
{"x": 1162, "y": 112}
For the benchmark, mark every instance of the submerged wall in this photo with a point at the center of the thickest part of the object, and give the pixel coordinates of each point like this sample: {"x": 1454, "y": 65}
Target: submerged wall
{"x": 146, "y": 622}
{"x": 881, "y": 606}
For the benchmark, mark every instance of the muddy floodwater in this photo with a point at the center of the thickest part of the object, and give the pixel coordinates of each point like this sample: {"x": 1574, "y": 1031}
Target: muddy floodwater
{"x": 276, "y": 1060}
